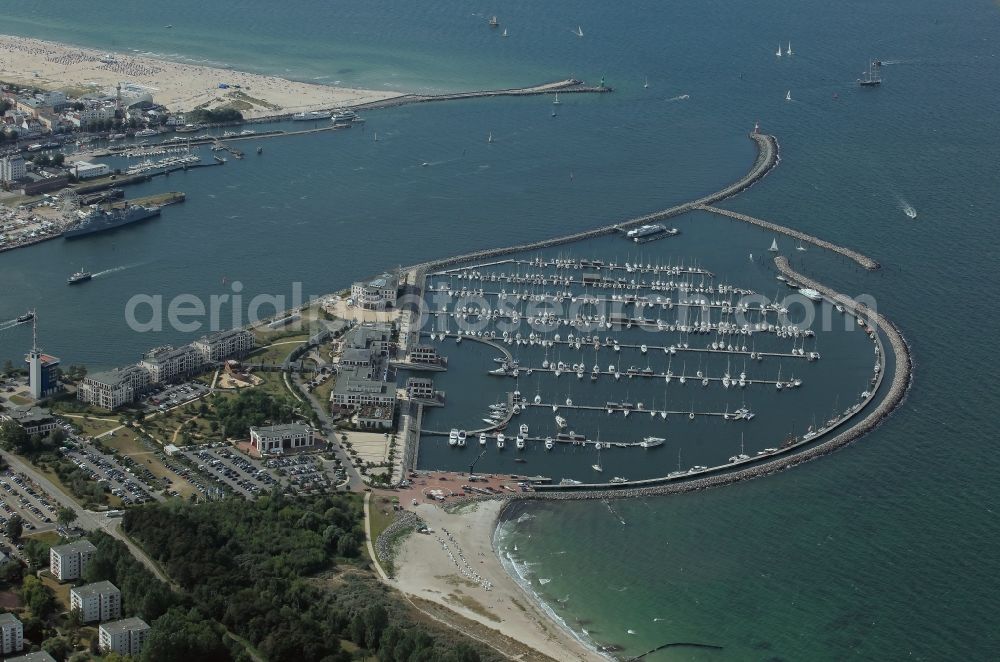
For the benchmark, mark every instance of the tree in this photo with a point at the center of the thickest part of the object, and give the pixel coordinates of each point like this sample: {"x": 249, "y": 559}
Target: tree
{"x": 57, "y": 647}
{"x": 66, "y": 516}
{"x": 184, "y": 636}
{"x": 38, "y": 597}
{"x": 13, "y": 437}
{"x": 14, "y": 527}
{"x": 36, "y": 552}
{"x": 8, "y": 367}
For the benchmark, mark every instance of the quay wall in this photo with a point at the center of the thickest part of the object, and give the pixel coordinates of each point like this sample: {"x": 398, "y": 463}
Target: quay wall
{"x": 570, "y": 85}
{"x": 863, "y": 260}
{"x": 902, "y": 377}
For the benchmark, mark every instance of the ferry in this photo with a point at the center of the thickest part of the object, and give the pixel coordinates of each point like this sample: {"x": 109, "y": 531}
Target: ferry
{"x": 144, "y": 133}
{"x": 344, "y": 117}
{"x": 652, "y": 442}
{"x": 187, "y": 128}
{"x": 79, "y": 277}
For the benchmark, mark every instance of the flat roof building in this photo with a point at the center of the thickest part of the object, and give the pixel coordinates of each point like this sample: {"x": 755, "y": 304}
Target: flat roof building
{"x": 114, "y": 388}
{"x": 353, "y": 390}
{"x": 11, "y": 634}
{"x": 85, "y": 170}
{"x": 280, "y": 438}
{"x": 34, "y": 420}
{"x": 126, "y": 636}
{"x": 224, "y": 345}
{"x": 39, "y": 656}
{"x": 100, "y": 601}
{"x": 69, "y": 561}
{"x": 168, "y": 363}
{"x": 378, "y": 293}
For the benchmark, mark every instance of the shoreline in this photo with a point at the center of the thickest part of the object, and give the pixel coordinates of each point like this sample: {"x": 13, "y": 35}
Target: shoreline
{"x": 180, "y": 86}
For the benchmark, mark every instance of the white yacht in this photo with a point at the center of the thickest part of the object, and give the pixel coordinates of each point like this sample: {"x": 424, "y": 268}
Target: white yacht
{"x": 652, "y": 442}
{"x": 453, "y": 437}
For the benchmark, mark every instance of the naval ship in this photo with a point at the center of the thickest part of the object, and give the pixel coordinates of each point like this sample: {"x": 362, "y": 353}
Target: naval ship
{"x": 100, "y": 220}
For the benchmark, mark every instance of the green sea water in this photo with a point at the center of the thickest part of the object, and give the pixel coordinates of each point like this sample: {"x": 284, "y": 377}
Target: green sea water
{"x": 884, "y": 550}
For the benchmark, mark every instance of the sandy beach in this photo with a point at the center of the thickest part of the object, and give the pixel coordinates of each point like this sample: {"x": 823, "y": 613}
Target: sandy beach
{"x": 431, "y": 567}
{"x": 176, "y": 85}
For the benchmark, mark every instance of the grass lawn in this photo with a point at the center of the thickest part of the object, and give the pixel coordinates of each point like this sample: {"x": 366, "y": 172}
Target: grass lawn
{"x": 380, "y": 514}
{"x": 61, "y": 591}
{"x": 276, "y": 352}
{"x": 19, "y": 399}
{"x": 92, "y": 427}
{"x": 50, "y": 538}
{"x": 322, "y": 392}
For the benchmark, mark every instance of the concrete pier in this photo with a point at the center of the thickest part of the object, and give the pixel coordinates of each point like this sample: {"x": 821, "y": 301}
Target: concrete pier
{"x": 860, "y": 258}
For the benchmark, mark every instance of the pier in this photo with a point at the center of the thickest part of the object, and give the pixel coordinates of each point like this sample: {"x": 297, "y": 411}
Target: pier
{"x": 863, "y": 260}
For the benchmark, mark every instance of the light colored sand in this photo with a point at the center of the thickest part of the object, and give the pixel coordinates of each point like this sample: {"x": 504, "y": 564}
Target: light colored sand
{"x": 176, "y": 85}
{"x": 424, "y": 569}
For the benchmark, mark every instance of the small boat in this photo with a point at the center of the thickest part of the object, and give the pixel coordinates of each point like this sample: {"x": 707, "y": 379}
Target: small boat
{"x": 579, "y": 31}
{"x": 519, "y": 442}
{"x": 873, "y": 77}
{"x": 556, "y": 101}
{"x": 500, "y": 441}
{"x": 494, "y": 21}
{"x": 788, "y": 95}
{"x": 774, "y": 246}
{"x": 549, "y": 443}
{"x": 645, "y": 83}
{"x": 778, "y": 53}
{"x": 800, "y": 247}
{"x": 453, "y": 437}
{"x": 561, "y": 422}
{"x": 461, "y": 438}
{"x": 652, "y": 442}
{"x": 788, "y": 51}
{"x": 490, "y": 138}
{"x": 482, "y": 438}
{"x": 504, "y": 32}
{"x": 79, "y": 277}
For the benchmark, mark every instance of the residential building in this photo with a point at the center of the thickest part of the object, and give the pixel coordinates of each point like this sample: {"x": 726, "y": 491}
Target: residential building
{"x": 224, "y": 344}
{"x": 376, "y": 337}
{"x": 100, "y": 601}
{"x": 69, "y": 561}
{"x": 12, "y": 633}
{"x": 281, "y": 438}
{"x": 125, "y": 637}
{"x": 355, "y": 357}
{"x": 39, "y": 656}
{"x": 427, "y": 355}
{"x": 12, "y": 168}
{"x": 353, "y": 391}
{"x": 167, "y": 363}
{"x": 114, "y": 388}
{"x": 420, "y": 388}
{"x": 43, "y": 376}
{"x": 378, "y": 293}
{"x": 85, "y": 170}
{"x": 34, "y": 420}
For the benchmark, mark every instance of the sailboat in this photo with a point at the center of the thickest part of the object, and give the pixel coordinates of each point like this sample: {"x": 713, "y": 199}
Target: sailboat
{"x": 490, "y": 138}
{"x": 788, "y": 95}
{"x": 645, "y": 83}
{"x": 800, "y": 247}
{"x": 579, "y": 31}
{"x": 779, "y": 50}
{"x": 597, "y": 467}
{"x": 556, "y": 101}
{"x": 376, "y": 136}
{"x": 774, "y": 246}
{"x": 873, "y": 77}
{"x": 504, "y": 32}
{"x": 788, "y": 51}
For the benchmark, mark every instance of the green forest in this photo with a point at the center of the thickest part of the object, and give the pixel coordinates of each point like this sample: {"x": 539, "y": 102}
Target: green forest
{"x": 286, "y": 576}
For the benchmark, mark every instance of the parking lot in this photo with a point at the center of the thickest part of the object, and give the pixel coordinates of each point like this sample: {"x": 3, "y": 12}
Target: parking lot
{"x": 166, "y": 397}
{"x": 228, "y": 470}
{"x": 20, "y": 495}
{"x": 104, "y": 468}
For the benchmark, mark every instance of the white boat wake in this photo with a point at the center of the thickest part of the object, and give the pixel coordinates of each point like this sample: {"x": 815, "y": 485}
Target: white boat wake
{"x": 907, "y": 208}
{"x": 679, "y": 98}
{"x": 543, "y": 582}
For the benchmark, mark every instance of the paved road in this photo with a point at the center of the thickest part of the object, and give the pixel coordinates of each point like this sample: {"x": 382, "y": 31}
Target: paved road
{"x": 354, "y": 482}
{"x": 85, "y": 519}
